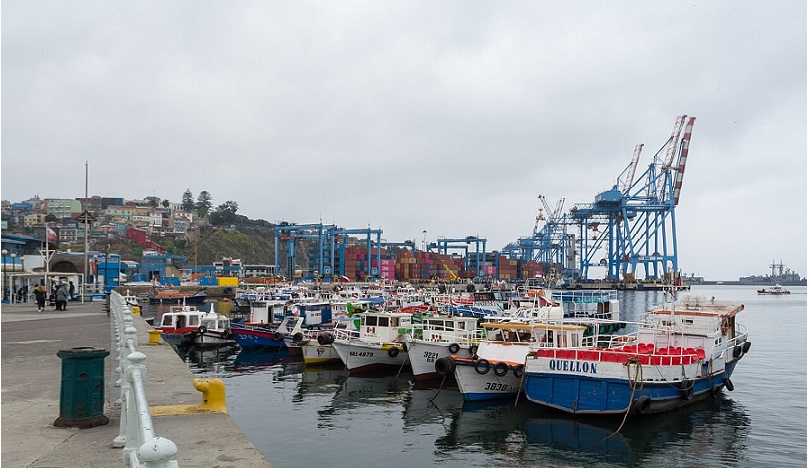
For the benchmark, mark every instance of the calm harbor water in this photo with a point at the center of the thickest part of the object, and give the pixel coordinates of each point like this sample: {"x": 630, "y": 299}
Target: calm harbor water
{"x": 303, "y": 416}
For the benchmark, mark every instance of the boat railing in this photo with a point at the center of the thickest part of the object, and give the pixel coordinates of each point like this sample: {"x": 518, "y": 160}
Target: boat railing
{"x": 141, "y": 446}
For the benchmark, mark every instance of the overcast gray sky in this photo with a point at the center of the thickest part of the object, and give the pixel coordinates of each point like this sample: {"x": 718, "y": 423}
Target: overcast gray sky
{"x": 447, "y": 116}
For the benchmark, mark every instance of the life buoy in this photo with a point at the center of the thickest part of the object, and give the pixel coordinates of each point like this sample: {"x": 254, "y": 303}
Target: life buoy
{"x": 518, "y": 371}
{"x": 729, "y": 385}
{"x": 482, "y": 366}
{"x": 277, "y": 337}
{"x": 393, "y": 352}
{"x": 202, "y": 329}
{"x": 298, "y": 337}
{"x": 500, "y": 369}
{"x": 472, "y": 350}
{"x": 445, "y": 366}
{"x": 687, "y": 390}
{"x": 724, "y": 327}
{"x": 642, "y": 405}
{"x": 453, "y": 348}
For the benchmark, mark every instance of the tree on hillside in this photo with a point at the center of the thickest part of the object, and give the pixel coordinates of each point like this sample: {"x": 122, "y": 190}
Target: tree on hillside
{"x": 187, "y": 201}
{"x": 153, "y": 201}
{"x": 225, "y": 214}
{"x": 204, "y": 203}
{"x": 166, "y": 203}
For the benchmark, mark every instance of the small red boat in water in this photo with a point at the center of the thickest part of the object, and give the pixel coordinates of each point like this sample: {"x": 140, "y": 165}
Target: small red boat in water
{"x": 775, "y": 290}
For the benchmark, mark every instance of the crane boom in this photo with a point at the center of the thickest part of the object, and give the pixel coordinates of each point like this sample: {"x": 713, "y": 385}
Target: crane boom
{"x": 679, "y": 173}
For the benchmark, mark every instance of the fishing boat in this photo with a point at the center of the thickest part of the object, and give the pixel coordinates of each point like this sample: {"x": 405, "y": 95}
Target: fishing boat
{"x": 319, "y": 350}
{"x": 496, "y": 369}
{"x": 776, "y": 290}
{"x": 379, "y": 344}
{"x": 437, "y": 336}
{"x": 289, "y": 330}
{"x": 173, "y": 296}
{"x": 186, "y": 325}
{"x": 684, "y": 351}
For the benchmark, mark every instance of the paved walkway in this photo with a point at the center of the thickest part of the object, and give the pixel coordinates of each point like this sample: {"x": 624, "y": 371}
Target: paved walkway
{"x": 31, "y": 381}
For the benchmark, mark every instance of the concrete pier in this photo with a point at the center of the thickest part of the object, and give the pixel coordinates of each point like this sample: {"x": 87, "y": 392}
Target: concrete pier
{"x": 31, "y": 380}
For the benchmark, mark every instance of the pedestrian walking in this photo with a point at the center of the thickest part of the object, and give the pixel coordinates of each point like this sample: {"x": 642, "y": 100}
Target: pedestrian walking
{"x": 61, "y": 298}
{"x": 40, "y": 293}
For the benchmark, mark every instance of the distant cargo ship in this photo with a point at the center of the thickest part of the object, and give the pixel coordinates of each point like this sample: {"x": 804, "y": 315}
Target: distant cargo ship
{"x": 779, "y": 275}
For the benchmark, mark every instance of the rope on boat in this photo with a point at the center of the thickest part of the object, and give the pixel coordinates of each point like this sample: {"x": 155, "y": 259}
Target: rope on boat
{"x": 521, "y": 383}
{"x": 439, "y": 388}
{"x": 638, "y": 379}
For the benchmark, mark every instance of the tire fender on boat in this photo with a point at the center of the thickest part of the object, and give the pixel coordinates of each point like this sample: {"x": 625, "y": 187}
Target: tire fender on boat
{"x": 715, "y": 390}
{"x": 500, "y": 369}
{"x": 518, "y": 371}
{"x": 453, "y": 348}
{"x": 687, "y": 389}
{"x": 729, "y": 385}
{"x": 472, "y": 350}
{"x": 746, "y": 346}
{"x": 323, "y": 339}
{"x": 202, "y": 329}
{"x": 277, "y": 337}
{"x": 482, "y": 366}
{"x": 445, "y": 366}
{"x": 298, "y": 337}
{"x": 393, "y": 352}
{"x": 738, "y": 351}
{"x": 642, "y": 405}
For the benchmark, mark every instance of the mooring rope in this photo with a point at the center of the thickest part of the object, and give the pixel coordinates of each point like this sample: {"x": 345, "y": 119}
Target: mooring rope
{"x": 638, "y": 376}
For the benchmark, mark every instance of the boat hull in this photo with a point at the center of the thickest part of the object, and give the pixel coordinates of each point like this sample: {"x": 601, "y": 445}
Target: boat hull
{"x": 605, "y": 394}
{"x": 362, "y": 357}
{"x": 424, "y": 354}
{"x": 478, "y": 383}
{"x": 254, "y": 338}
{"x": 315, "y": 353}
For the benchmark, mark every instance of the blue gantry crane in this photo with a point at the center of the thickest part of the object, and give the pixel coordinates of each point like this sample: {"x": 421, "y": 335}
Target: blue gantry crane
{"x": 326, "y": 254}
{"x": 475, "y": 262}
{"x": 634, "y": 222}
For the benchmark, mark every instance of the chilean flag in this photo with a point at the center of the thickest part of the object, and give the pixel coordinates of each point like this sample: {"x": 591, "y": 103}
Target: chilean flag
{"x": 51, "y": 234}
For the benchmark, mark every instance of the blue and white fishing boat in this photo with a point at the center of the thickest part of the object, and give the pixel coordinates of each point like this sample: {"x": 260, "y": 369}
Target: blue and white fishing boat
{"x": 682, "y": 352}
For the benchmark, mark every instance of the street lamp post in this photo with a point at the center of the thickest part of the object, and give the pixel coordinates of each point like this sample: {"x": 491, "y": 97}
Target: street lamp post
{"x": 5, "y": 284}
{"x": 12, "y": 290}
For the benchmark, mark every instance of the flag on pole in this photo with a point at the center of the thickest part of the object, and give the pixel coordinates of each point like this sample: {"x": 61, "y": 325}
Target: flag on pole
{"x": 51, "y": 234}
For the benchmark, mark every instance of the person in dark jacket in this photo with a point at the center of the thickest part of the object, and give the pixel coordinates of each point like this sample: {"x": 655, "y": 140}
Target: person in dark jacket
{"x": 40, "y": 294}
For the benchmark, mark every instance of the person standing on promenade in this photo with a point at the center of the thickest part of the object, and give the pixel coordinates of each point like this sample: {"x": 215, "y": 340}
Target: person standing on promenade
{"x": 40, "y": 293}
{"x": 72, "y": 291}
{"x": 61, "y": 298}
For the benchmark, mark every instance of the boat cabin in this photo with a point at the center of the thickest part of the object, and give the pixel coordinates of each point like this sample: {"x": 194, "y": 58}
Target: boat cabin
{"x": 381, "y": 327}
{"x": 448, "y": 329}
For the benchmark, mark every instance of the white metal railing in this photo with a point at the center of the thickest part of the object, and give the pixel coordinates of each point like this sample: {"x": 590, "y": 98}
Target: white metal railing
{"x": 141, "y": 447}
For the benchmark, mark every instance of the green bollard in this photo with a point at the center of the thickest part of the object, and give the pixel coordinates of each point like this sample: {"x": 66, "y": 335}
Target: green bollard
{"x": 81, "y": 401}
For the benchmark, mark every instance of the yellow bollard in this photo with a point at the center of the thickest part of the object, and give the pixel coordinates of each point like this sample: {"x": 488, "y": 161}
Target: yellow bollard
{"x": 135, "y": 310}
{"x": 154, "y": 337}
{"x": 213, "y": 397}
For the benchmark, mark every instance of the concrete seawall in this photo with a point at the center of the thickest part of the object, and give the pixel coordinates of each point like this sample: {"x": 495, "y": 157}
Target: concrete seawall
{"x": 31, "y": 380}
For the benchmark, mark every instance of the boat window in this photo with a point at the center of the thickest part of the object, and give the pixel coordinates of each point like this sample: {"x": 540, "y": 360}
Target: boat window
{"x": 371, "y": 320}
{"x": 394, "y": 322}
{"x": 167, "y": 322}
{"x": 193, "y": 321}
{"x": 383, "y": 321}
